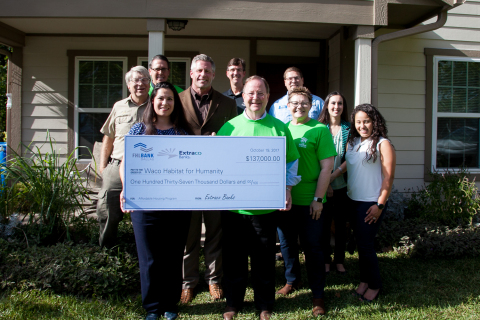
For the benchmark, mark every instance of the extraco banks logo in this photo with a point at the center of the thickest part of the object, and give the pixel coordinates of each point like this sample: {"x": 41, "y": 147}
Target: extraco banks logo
{"x": 188, "y": 154}
{"x": 167, "y": 152}
{"x": 145, "y": 154}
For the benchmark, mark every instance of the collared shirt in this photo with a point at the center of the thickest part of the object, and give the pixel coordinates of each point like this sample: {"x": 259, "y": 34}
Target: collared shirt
{"x": 238, "y": 99}
{"x": 201, "y": 103}
{"x": 280, "y": 110}
{"x": 125, "y": 113}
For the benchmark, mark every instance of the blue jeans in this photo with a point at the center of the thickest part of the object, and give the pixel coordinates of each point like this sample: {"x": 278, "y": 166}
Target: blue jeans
{"x": 299, "y": 223}
{"x": 365, "y": 235}
{"x": 160, "y": 237}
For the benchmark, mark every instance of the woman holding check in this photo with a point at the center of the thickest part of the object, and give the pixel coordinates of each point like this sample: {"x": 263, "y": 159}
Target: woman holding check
{"x": 160, "y": 236}
{"x": 315, "y": 145}
{"x": 371, "y": 169}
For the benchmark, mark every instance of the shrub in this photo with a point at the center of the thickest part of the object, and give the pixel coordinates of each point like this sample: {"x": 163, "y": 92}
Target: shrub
{"x": 423, "y": 239}
{"x": 82, "y": 270}
{"x": 52, "y": 188}
{"x": 449, "y": 199}
{"x": 396, "y": 207}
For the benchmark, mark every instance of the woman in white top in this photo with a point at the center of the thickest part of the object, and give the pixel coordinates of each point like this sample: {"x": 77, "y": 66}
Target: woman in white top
{"x": 371, "y": 163}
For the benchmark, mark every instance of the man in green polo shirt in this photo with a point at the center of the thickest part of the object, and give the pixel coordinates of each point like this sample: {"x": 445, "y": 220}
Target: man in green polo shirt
{"x": 159, "y": 70}
{"x": 252, "y": 232}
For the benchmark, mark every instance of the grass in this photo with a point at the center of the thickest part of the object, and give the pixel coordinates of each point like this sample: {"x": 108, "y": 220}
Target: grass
{"x": 413, "y": 289}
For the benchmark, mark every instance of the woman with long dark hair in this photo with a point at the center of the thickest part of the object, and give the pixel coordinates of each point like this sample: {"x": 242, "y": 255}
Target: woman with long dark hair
{"x": 161, "y": 236}
{"x": 371, "y": 164}
{"x": 334, "y": 116}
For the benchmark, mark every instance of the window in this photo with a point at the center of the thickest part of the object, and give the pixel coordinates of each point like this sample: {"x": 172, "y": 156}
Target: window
{"x": 456, "y": 113}
{"x": 179, "y": 70}
{"x": 99, "y": 83}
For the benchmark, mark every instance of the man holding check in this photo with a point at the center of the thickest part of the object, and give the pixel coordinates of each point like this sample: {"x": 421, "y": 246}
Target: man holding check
{"x": 253, "y": 232}
{"x": 206, "y": 110}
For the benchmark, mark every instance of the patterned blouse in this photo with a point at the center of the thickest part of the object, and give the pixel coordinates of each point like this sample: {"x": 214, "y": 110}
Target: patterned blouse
{"x": 139, "y": 129}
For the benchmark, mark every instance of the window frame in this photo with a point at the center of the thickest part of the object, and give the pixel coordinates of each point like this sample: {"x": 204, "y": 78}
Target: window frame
{"x": 188, "y": 61}
{"x": 433, "y": 55}
{"x": 78, "y": 110}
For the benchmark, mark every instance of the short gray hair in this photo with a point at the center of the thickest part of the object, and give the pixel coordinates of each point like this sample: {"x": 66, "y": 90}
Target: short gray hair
{"x": 202, "y": 57}
{"x": 140, "y": 69}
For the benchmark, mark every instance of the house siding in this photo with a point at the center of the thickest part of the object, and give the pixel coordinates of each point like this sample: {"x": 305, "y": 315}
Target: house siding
{"x": 402, "y": 87}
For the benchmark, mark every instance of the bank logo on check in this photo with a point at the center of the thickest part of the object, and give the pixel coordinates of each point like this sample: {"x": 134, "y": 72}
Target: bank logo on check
{"x": 167, "y": 152}
{"x": 143, "y": 147}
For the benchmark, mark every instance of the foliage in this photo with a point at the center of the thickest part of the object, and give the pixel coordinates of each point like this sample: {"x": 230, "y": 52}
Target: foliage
{"x": 423, "y": 239}
{"x": 412, "y": 289}
{"x": 52, "y": 187}
{"x": 3, "y": 91}
{"x": 396, "y": 207}
{"x": 82, "y": 269}
{"x": 449, "y": 199}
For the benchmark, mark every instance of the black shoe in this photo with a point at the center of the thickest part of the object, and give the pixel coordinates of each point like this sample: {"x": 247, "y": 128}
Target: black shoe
{"x": 151, "y": 316}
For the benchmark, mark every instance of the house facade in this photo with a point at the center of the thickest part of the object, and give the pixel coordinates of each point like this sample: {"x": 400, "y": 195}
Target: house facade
{"x": 414, "y": 59}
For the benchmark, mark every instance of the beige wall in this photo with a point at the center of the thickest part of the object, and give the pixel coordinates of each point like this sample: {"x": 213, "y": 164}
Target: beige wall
{"x": 402, "y": 83}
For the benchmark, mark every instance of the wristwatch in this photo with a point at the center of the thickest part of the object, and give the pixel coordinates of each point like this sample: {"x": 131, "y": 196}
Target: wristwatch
{"x": 380, "y": 206}
{"x": 318, "y": 199}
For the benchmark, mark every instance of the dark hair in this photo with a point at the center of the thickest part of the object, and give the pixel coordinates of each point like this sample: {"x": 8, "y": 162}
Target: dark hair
{"x": 236, "y": 62}
{"x": 267, "y": 87}
{"x": 177, "y": 116}
{"x": 159, "y": 57}
{"x": 324, "y": 116}
{"x": 379, "y": 129}
{"x": 301, "y": 91}
{"x": 292, "y": 69}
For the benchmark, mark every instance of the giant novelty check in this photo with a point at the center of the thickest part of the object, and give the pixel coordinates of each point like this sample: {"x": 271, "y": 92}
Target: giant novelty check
{"x": 204, "y": 173}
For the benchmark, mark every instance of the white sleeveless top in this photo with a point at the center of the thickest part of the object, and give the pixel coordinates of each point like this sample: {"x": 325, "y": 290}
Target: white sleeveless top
{"x": 364, "y": 177}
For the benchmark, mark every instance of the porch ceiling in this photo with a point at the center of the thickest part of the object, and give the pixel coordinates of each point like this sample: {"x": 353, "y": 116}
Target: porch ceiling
{"x": 138, "y": 27}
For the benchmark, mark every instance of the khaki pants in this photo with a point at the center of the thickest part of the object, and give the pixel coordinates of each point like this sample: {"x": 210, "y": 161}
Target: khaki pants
{"x": 108, "y": 205}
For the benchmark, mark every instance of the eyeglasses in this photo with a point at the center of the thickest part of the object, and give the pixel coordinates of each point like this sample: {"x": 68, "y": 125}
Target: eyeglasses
{"x": 235, "y": 69}
{"x": 160, "y": 69}
{"x": 142, "y": 80}
{"x": 296, "y": 104}
{"x": 293, "y": 79}
{"x": 259, "y": 94}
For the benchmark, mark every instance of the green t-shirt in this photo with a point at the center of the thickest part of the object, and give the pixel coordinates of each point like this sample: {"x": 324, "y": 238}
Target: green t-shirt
{"x": 152, "y": 87}
{"x": 266, "y": 127}
{"x": 314, "y": 143}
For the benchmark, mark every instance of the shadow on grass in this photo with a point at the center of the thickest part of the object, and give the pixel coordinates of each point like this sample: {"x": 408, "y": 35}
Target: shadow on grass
{"x": 410, "y": 283}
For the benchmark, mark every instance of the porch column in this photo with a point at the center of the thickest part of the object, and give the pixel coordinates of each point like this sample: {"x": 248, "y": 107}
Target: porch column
{"x": 363, "y": 63}
{"x": 156, "y": 37}
{"x": 14, "y": 87}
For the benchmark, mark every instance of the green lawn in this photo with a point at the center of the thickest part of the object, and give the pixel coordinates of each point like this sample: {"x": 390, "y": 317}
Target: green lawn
{"x": 413, "y": 289}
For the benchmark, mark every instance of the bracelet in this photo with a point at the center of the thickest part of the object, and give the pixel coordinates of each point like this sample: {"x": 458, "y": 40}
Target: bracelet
{"x": 340, "y": 168}
{"x": 288, "y": 189}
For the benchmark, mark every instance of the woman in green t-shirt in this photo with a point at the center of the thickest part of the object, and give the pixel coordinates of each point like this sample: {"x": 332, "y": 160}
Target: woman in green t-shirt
{"x": 334, "y": 116}
{"x": 304, "y": 220}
